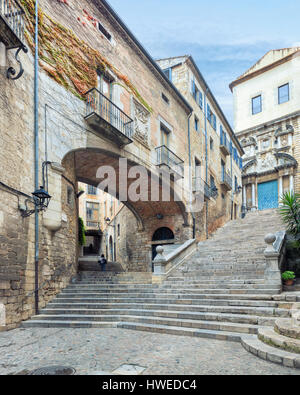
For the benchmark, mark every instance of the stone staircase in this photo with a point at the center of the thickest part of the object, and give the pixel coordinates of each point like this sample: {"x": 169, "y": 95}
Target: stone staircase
{"x": 218, "y": 293}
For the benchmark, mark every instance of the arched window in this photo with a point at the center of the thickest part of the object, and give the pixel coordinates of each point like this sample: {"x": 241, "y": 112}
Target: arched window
{"x": 163, "y": 234}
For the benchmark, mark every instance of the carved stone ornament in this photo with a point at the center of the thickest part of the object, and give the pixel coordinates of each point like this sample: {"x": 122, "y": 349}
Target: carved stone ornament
{"x": 141, "y": 123}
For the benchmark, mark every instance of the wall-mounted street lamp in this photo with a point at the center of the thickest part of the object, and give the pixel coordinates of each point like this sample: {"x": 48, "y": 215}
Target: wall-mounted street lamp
{"x": 41, "y": 197}
{"x": 41, "y": 200}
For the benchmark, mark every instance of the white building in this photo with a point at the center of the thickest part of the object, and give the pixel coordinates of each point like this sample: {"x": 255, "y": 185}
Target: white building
{"x": 266, "y": 121}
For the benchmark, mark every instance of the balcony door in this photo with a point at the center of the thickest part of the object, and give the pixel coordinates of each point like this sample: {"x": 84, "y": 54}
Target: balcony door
{"x": 223, "y": 170}
{"x": 106, "y": 108}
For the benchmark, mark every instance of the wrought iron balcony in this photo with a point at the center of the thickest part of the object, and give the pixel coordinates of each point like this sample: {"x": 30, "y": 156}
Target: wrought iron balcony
{"x": 12, "y": 31}
{"x": 200, "y": 185}
{"x": 224, "y": 145}
{"x": 226, "y": 180}
{"x": 108, "y": 119}
{"x": 165, "y": 157}
{"x": 93, "y": 225}
{"x": 12, "y": 24}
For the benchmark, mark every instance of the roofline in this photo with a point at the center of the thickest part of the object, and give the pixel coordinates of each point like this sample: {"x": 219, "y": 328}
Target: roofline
{"x": 264, "y": 69}
{"x": 216, "y": 103}
{"x": 146, "y": 53}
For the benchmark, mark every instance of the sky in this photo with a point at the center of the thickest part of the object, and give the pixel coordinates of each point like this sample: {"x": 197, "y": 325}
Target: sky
{"x": 225, "y": 37}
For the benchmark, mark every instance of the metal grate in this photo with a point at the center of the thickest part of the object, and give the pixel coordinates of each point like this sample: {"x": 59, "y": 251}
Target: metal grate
{"x": 53, "y": 371}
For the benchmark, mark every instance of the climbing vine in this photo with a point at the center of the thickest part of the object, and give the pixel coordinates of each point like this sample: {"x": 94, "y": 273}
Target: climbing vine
{"x": 67, "y": 59}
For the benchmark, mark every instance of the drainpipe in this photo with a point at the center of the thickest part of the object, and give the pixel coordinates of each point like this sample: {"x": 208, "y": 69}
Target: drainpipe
{"x": 190, "y": 172}
{"x": 232, "y": 191}
{"x": 36, "y": 158}
{"x": 206, "y": 163}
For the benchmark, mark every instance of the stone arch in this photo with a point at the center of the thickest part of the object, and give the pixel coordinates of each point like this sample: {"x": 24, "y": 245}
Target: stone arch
{"x": 81, "y": 165}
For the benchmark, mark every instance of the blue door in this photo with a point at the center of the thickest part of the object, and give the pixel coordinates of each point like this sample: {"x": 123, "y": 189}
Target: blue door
{"x": 268, "y": 195}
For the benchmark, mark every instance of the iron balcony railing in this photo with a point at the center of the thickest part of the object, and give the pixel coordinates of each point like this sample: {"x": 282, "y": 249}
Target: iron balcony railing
{"x": 200, "y": 185}
{"x": 93, "y": 225}
{"x": 166, "y": 157}
{"x": 225, "y": 177}
{"x": 98, "y": 103}
{"x": 13, "y": 14}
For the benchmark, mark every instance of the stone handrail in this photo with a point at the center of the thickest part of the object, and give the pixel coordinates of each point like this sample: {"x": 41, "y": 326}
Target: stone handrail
{"x": 274, "y": 254}
{"x": 163, "y": 264}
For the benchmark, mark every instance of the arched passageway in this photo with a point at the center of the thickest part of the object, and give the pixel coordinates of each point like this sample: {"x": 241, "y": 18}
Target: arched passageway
{"x": 150, "y": 214}
{"x": 163, "y": 236}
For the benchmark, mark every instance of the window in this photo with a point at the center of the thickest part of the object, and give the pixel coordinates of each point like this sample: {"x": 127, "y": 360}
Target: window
{"x": 212, "y": 182}
{"x": 235, "y": 184}
{"x": 104, "y": 31}
{"x": 164, "y": 97}
{"x": 241, "y": 163}
{"x": 283, "y": 93}
{"x": 168, "y": 73}
{"x": 92, "y": 211}
{"x": 196, "y": 123}
{"x": 256, "y": 105}
{"x": 91, "y": 190}
{"x": 211, "y": 117}
{"x": 201, "y": 100}
{"x": 164, "y": 135}
{"x": 197, "y": 168}
{"x": 119, "y": 231}
{"x": 197, "y": 95}
{"x": 214, "y": 121}
{"x": 208, "y": 113}
{"x": 211, "y": 144}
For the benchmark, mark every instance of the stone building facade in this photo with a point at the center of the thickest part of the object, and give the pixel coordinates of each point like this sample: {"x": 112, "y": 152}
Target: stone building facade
{"x": 102, "y": 99}
{"x": 215, "y": 152}
{"x": 266, "y": 114}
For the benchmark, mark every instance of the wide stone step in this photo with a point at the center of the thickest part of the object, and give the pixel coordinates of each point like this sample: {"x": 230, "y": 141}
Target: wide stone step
{"x": 203, "y": 316}
{"x": 164, "y": 298}
{"x": 173, "y": 304}
{"x": 173, "y": 309}
{"x": 188, "y": 280}
{"x": 269, "y": 353}
{"x": 199, "y": 324}
{"x": 184, "y": 285}
{"x": 272, "y": 338}
{"x": 171, "y": 330}
{"x": 167, "y": 291}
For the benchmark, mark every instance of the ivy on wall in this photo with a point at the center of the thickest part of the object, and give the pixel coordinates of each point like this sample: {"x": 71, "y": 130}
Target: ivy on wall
{"x": 68, "y": 60}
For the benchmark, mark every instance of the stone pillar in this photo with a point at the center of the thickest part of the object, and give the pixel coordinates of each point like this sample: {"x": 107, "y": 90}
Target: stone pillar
{"x": 244, "y": 196}
{"x": 272, "y": 272}
{"x": 291, "y": 183}
{"x": 159, "y": 261}
{"x": 253, "y": 198}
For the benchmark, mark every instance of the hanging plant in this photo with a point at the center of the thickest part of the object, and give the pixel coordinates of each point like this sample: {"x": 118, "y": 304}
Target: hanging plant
{"x": 81, "y": 232}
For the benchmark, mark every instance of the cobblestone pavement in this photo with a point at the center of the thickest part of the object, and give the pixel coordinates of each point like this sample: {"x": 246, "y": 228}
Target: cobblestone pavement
{"x": 94, "y": 350}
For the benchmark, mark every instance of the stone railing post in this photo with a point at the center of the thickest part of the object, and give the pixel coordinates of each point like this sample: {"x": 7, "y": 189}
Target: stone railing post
{"x": 159, "y": 261}
{"x": 272, "y": 272}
